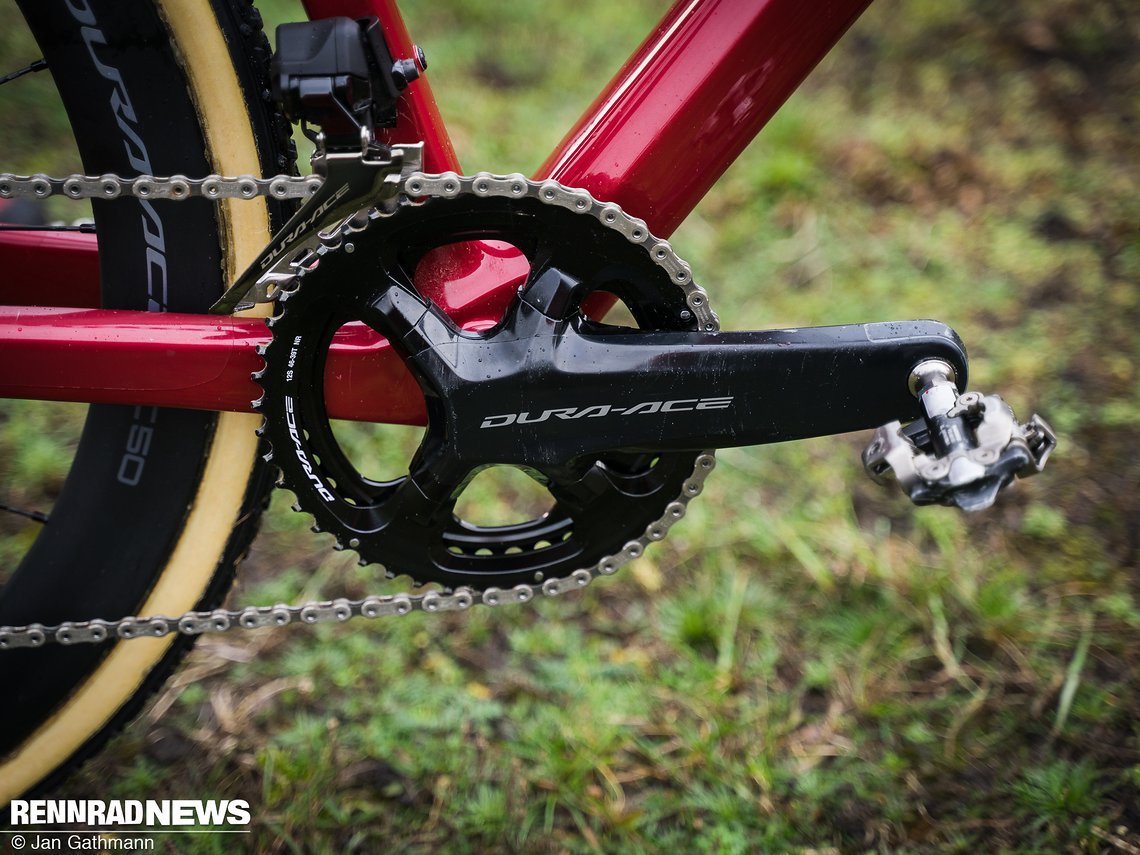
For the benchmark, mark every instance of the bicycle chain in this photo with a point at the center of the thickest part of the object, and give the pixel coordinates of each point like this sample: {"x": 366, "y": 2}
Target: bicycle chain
{"x": 417, "y": 186}
{"x": 176, "y": 187}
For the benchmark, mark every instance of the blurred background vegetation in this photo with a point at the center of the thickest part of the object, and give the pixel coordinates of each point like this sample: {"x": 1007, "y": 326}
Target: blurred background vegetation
{"x": 808, "y": 662}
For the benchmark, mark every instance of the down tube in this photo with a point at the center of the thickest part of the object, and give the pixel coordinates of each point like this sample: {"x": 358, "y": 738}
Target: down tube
{"x": 680, "y": 110}
{"x": 695, "y": 93}
{"x": 676, "y": 115}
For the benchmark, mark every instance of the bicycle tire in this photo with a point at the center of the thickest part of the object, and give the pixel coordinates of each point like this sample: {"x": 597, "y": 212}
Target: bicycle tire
{"x": 178, "y": 86}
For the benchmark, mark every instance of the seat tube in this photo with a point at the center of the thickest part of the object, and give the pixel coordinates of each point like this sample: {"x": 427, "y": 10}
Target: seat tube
{"x": 419, "y": 119}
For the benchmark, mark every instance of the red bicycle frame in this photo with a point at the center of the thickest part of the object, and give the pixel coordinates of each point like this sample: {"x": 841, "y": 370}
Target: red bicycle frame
{"x": 696, "y": 91}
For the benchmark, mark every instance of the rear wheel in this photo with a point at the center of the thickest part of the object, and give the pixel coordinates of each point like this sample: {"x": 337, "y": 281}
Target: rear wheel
{"x": 158, "y": 505}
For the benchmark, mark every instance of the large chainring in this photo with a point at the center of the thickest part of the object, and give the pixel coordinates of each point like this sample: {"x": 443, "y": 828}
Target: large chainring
{"x": 601, "y": 504}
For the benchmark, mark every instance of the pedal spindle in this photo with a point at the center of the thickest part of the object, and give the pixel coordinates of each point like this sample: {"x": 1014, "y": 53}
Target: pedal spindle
{"x": 964, "y": 449}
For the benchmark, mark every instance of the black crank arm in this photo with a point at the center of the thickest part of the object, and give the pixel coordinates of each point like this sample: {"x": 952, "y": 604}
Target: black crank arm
{"x": 691, "y": 391}
{"x": 540, "y": 392}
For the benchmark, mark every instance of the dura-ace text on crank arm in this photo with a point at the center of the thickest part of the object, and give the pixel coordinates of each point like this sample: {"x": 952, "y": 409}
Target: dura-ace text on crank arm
{"x": 540, "y": 391}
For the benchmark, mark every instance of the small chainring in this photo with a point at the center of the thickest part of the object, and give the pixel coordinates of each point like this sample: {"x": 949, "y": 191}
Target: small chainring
{"x": 409, "y": 524}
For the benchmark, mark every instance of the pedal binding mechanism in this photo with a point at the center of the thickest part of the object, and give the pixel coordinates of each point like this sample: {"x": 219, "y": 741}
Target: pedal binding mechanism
{"x": 963, "y": 451}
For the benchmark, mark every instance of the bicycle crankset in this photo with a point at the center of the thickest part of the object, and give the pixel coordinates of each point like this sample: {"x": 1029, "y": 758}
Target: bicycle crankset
{"x": 609, "y": 419}
{"x": 482, "y": 408}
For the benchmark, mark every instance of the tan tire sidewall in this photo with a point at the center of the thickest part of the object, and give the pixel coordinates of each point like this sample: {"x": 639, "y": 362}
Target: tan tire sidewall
{"x": 212, "y": 517}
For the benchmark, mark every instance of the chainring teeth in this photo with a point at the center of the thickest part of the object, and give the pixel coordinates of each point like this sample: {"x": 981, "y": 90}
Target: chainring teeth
{"x": 419, "y": 188}
{"x": 449, "y": 185}
{"x": 375, "y": 606}
{"x": 341, "y": 610}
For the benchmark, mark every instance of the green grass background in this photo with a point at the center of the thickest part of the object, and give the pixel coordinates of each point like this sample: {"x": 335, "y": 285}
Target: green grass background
{"x": 808, "y": 663}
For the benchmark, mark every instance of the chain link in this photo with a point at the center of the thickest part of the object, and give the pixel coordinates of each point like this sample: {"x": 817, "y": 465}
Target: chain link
{"x": 448, "y": 185}
{"x": 175, "y": 187}
{"x": 341, "y": 610}
{"x": 418, "y": 186}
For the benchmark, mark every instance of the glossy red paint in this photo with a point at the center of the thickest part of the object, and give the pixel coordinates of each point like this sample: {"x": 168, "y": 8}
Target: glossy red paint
{"x": 194, "y": 361}
{"x": 455, "y": 278}
{"x": 366, "y": 381}
{"x": 419, "y": 118}
{"x": 49, "y": 268}
{"x": 102, "y": 356}
{"x": 691, "y": 98}
{"x": 699, "y": 88}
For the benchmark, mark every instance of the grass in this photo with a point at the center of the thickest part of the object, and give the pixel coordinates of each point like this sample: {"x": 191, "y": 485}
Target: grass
{"x": 808, "y": 663}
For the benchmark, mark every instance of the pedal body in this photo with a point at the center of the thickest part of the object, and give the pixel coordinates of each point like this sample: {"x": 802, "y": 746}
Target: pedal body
{"x": 963, "y": 451}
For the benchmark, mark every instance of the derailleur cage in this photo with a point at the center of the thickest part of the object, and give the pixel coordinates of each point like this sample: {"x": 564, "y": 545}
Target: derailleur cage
{"x": 338, "y": 74}
{"x": 964, "y": 449}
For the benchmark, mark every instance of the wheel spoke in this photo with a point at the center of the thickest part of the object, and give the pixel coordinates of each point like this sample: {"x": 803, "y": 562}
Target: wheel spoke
{"x": 36, "y": 516}
{"x": 82, "y": 228}
{"x": 30, "y": 68}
